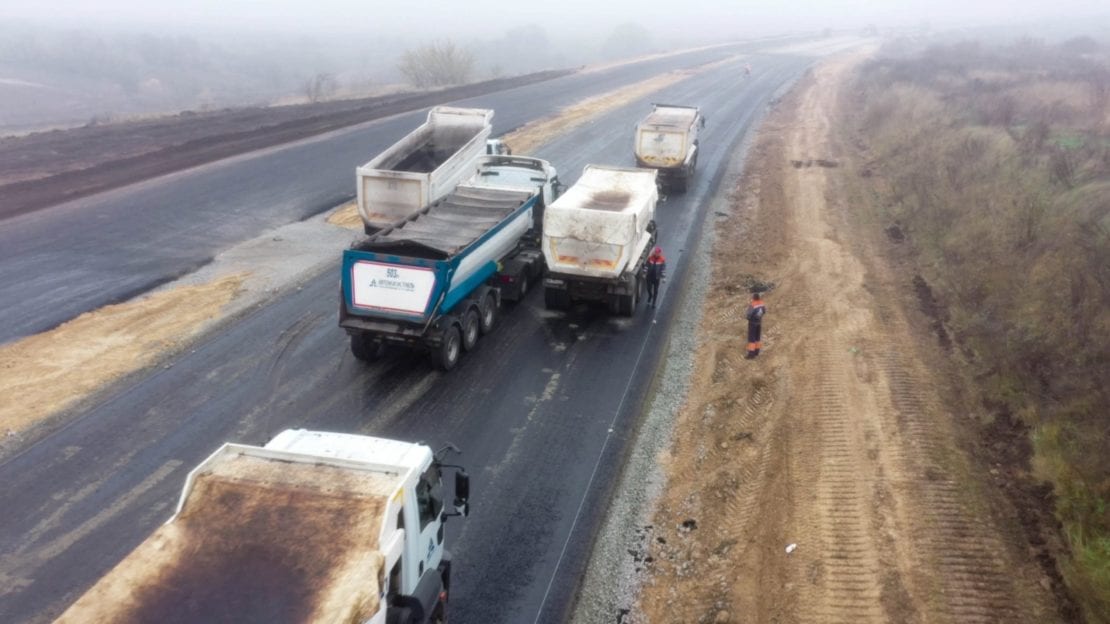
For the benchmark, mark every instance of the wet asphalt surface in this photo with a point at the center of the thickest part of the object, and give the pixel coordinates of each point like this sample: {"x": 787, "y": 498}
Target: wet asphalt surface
{"x": 109, "y": 247}
{"x": 542, "y": 409}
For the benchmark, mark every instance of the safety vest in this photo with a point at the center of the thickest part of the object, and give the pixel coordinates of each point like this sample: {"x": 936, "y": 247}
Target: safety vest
{"x": 756, "y": 310}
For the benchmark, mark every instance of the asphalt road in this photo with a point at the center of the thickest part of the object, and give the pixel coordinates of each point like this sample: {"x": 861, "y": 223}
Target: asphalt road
{"x": 109, "y": 247}
{"x": 542, "y": 408}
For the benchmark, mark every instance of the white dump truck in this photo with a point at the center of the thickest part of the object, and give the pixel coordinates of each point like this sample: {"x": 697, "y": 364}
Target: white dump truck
{"x": 597, "y": 237}
{"x": 424, "y": 166}
{"x": 667, "y": 140}
{"x": 313, "y": 527}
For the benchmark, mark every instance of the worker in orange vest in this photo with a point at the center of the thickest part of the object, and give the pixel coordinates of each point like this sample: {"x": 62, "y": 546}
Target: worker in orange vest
{"x": 655, "y": 272}
{"x": 754, "y": 314}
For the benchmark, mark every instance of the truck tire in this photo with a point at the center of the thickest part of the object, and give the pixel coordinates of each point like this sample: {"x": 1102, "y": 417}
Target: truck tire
{"x": 365, "y": 348}
{"x": 471, "y": 329}
{"x": 489, "y": 312}
{"x": 679, "y": 184}
{"x": 556, "y": 299}
{"x": 523, "y": 290}
{"x": 627, "y": 303}
{"x": 446, "y": 356}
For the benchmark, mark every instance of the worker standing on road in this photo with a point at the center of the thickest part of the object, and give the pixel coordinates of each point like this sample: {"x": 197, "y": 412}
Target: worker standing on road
{"x": 656, "y": 272}
{"x": 754, "y": 314}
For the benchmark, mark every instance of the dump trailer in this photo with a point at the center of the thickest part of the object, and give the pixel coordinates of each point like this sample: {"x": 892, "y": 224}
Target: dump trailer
{"x": 435, "y": 280}
{"x": 667, "y": 140}
{"x": 534, "y": 175}
{"x": 312, "y": 527}
{"x": 422, "y": 167}
{"x": 597, "y": 237}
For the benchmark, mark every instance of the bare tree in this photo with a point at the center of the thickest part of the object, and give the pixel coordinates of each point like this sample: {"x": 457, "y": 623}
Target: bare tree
{"x": 320, "y": 87}
{"x": 437, "y": 64}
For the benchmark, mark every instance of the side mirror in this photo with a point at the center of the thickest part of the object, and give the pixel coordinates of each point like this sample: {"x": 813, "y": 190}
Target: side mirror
{"x": 703, "y": 122}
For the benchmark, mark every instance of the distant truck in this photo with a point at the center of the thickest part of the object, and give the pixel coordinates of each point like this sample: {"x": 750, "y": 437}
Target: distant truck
{"x": 435, "y": 280}
{"x": 313, "y": 527}
{"x": 424, "y": 166}
{"x": 667, "y": 140}
{"x": 597, "y": 237}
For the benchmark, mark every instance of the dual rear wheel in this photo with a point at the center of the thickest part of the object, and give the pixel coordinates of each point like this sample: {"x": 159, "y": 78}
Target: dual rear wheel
{"x": 478, "y": 320}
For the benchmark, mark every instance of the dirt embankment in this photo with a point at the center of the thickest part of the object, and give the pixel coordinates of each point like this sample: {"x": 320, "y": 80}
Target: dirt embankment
{"x": 47, "y": 168}
{"x": 830, "y": 480}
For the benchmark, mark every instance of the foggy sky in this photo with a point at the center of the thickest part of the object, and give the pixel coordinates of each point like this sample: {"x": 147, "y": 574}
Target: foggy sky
{"x": 692, "y": 19}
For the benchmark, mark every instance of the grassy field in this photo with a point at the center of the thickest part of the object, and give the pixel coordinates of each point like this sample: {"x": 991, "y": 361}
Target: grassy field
{"x": 993, "y": 165}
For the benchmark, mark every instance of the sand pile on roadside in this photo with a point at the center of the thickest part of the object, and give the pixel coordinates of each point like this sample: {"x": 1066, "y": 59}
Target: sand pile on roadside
{"x": 346, "y": 216}
{"x": 48, "y": 372}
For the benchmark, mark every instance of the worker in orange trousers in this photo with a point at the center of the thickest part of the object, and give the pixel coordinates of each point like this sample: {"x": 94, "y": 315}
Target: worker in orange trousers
{"x": 754, "y": 314}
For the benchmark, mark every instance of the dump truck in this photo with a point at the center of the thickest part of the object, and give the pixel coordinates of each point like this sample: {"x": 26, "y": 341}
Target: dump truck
{"x": 597, "y": 237}
{"x": 667, "y": 140}
{"x": 312, "y": 527}
{"x": 435, "y": 280}
{"x": 424, "y": 166}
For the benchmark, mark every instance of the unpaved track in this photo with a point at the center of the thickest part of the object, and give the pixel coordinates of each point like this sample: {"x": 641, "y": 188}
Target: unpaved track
{"x": 842, "y": 438}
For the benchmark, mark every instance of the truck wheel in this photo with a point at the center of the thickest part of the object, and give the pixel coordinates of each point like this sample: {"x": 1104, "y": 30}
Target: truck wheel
{"x": 447, "y": 355}
{"x": 523, "y": 284}
{"x": 627, "y": 303}
{"x": 489, "y": 313}
{"x": 556, "y": 299}
{"x": 680, "y": 183}
{"x": 471, "y": 329}
{"x": 365, "y": 348}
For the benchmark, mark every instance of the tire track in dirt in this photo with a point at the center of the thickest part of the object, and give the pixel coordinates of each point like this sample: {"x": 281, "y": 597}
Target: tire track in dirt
{"x": 973, "y": 581}
{"x": 843, "y": 580}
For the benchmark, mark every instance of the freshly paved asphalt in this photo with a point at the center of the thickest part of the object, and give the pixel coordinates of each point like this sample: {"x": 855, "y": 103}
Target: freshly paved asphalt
{"x": 542, "y": 408}
{"x": 109, "y": 247}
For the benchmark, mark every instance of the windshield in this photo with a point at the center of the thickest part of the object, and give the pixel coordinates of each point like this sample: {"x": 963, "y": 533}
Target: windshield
{"x": 429, "y": 496}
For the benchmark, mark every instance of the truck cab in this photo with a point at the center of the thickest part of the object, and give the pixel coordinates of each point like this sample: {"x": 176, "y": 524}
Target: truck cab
{"x": 497, "y": 147}
{"x": 417, "y": 577}
{"x": 314, "y": 526}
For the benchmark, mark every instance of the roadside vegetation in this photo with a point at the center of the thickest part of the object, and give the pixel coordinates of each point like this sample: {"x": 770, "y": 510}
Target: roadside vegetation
{"x": 992, "y": 164}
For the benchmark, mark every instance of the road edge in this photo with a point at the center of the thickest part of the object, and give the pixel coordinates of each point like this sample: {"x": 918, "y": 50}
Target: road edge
{"x": 614, "y": 571}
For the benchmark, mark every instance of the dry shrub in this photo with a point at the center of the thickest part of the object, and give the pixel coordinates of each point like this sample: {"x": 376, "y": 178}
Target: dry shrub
{"x": 997, "y": 165}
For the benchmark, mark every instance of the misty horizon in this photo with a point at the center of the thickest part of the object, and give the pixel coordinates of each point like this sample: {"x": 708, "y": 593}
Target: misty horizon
{"x": 477, "y": 19}
{"x": 70, "y": 63}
